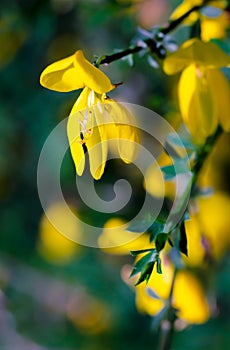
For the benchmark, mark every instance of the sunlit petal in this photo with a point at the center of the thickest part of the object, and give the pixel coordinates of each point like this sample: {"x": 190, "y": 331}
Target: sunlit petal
{"x": 53, "y": 77}
{"x": 91, "y": 76}
{"x": 189, "y": 298}
{"x": 221, "y": 96}
{"x": 127, "y": 133}
{"x": 205, "y": 54}
{"x": 97, "y": 150}
{"x": 73, "y": 132}
{"x": 196, "y": 102}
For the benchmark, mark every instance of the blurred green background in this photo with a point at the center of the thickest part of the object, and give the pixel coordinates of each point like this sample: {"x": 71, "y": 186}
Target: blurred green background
{"x": 77, "y": 300}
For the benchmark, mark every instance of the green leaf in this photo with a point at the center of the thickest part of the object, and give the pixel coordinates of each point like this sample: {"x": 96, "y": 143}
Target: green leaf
{"x": 156, "y": 228}
{"x": 160, "y": 241}
{"x": 146, "y": 273}
{"x": 137, "y": 252}
{"x": 159, "y": 270}
{"x": 183, "y": 240}
{"x": 140, "y": 264}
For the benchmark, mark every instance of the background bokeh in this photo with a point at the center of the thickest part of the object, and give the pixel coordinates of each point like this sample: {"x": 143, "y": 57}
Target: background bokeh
{"x": 55, "y": 294}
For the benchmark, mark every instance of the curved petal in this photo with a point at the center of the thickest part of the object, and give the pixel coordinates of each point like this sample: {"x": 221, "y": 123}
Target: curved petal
{"x": 126, "y": 131}
{"x": 197, "y": 106}
{"x": 73, "y": 132}
{"x": 183, "y": 8}
{"x": 219, "y": 85}
{"x": 53, "y": 76}
{"x": 97, "y": 150}
{"x": 92, "y": 77}
{"x": 189, "y": 298}
{"x": 204, "y": 54}
{"x": 73, "y": 73}
{"x": 82, "y": 101}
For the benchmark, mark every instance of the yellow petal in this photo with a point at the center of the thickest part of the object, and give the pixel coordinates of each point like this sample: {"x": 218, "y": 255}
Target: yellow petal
{"x": 116, "y": 240}
{"x": 53, "y": 76}
{"x": 197, "y": 106}
{"x": 204, "y": 54}
{"x": 97, "y": 150}
{"x": 215, "y": 222}
{"x": 221, "y": 95}
{"x": 73, "y": 73}
{"x": 214, "y": 28}
{"x": 196, "y": 252}
{"x": 53, "y": 244}
{"x": 76, "y": 148}
{"x": 160, "y": 285}
{"x": 184, "y": 7}
{"x": 126, "y": 132}
{"x": 189, "y": 298}
{"x": 91, "y": 76}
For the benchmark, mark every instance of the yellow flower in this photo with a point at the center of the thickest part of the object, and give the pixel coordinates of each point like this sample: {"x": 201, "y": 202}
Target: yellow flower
{"x": 154, "y": 180}
{"x": 116, "y": 240}
{"x": 214, "y": 28}
{"x": 188, "y": 294}
{"x": 93, "y": 115}
{"x": 211, "y": 27}
{"x": 52, "y": 244}
{"x": 208, "y": 230}
{"x": 203, "y": 90}
{"x": 73, "y": 73}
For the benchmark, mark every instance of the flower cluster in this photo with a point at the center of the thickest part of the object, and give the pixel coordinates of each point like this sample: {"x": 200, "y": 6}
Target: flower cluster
{"x": 94, "y": 116}
{"x": 203, "y": 90}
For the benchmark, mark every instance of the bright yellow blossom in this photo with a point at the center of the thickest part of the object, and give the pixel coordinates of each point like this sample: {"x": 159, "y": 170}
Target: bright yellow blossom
{"x": 203, "y": 90}
{"x": 154, "y": 182}
{"x": 92, "y": 114}
{"x": 211, "y": 27}
{"x": 208, "y": 229}
{"x": 52, "y": 244}
{"x": 188, "y": 295}
{"x": 115, "y": 239}
{"x": 214, "y": 28}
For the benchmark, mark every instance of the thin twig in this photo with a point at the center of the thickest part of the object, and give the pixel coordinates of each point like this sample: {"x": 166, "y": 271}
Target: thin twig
{"x": 151, "y": 43}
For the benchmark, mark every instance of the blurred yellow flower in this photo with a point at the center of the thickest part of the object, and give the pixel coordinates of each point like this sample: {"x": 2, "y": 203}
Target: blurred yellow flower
{"x": 92, "y": 113}
{"x": 211, "y": 27}
{"x": 203, "y": 90}
{"x": 213, "y": 173}
{"x": 52, "y": 244}
{"x": 116, "y": 240}
{"x": 208, "y": 229}
{"x": 154, "y": 182}
{"x": 214, "y": 28}
{"x": 188, "y": 294}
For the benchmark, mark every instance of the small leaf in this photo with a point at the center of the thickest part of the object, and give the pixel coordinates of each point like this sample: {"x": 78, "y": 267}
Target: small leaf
{"x": 159, "y": 270}
{"x": 156, "y": 228}
{"x": 183, "y": 240}
{"x": 140, "y": 264}
{"x": 146, "y": 273}
{"x": 137, "y": 252}
{"x": 160, "y": 241}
